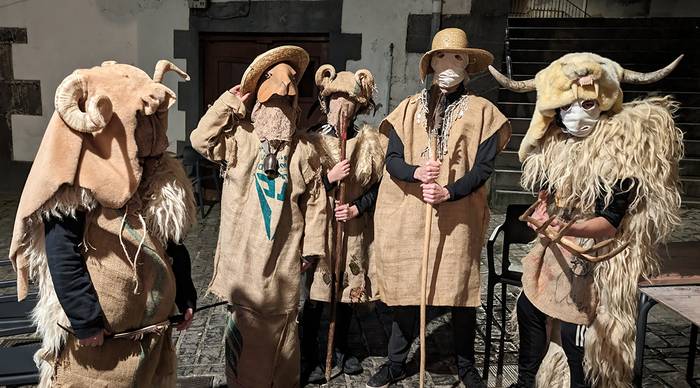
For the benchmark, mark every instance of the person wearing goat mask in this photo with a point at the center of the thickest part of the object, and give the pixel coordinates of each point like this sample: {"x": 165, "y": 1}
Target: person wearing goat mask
{"x": 273, "y": 216}
{"x": 608, "y": 182}
{"x": 470, "y": 132}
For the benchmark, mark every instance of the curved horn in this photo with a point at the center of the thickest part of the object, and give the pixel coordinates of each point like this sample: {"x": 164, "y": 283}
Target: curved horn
{"x": 324, "y": 72}
{"x": 98, "y": 109}
{"x": 516, "y": 86}
{"x": 163, "y": 66}
{"x": 364, "y": 77}
{"x": 634, "y": 77}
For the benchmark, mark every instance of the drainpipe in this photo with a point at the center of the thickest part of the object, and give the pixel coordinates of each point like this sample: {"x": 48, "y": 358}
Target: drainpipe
{"x": 437, "y": 16}
{"x": 389, "y": 75}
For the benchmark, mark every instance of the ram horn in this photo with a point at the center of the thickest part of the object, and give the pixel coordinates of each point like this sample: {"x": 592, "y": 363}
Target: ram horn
{"x": 324, "y": 72}
{"x": 634, "y": 77}
{"x": 364, "y": 77}
{"x": 163, "y": 66}
{"x": 98, "y": 109}
{"x": 516, "y": 86}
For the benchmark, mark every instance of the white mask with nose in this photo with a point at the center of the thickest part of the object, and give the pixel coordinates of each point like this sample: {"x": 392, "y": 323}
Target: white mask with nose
{"x": 450, "y": 68}
{"x": 580, "y": 118}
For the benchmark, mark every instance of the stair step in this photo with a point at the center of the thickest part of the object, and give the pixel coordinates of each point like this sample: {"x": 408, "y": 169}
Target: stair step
{"x": 515, "y": 140}
{"x": 659, "y": 23}
{"x": 619, "y": 55}
{"x": 508, "y": 160}
{"x": 690, "y": 167}
{"x": 500, "y": 199}
{"x": 691, "y": 187}
{"x": 691, "y": 202}
{"x": 595, "y": 45}
{"x": 507, "y": 179}
{"x": 692, "y": 148}
{"x": 613, "y": 32}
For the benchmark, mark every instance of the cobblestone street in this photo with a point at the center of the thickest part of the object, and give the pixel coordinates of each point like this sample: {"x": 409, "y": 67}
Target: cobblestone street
{"x": 200, "y": 349}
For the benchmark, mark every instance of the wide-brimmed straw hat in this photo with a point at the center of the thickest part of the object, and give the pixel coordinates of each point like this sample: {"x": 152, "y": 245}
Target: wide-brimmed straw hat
{"x": 295, "y": 56}
{"x": 454, "y": 40}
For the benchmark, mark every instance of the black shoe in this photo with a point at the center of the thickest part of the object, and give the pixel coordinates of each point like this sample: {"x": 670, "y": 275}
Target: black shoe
{"x": 520, "y": 384}
{"x": 317, "y": 375}
{"x": 351, "y": 365}
{"x": 471, "y": 378}
{"x": 386, "y": 375}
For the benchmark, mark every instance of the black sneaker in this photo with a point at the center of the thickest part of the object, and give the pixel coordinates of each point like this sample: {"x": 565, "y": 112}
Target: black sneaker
{"x": 386, "y": 375}
{"x": 351, "y": 365}
{"x": 317, "y": 375}
{"x": 471, "y": 378}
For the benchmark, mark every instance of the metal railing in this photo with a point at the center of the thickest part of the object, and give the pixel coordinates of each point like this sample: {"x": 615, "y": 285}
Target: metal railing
{"x": 546, "y": 9}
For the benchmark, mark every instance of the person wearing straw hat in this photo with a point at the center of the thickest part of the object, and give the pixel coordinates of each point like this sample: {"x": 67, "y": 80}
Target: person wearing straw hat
{"x": 470, "y": 132}
{"x": 273, "y": 216}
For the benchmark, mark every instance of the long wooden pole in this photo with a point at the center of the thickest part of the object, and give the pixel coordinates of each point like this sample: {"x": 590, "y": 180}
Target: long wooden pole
{"x": 339, "y": 250}
{"x": 433, "y": 131}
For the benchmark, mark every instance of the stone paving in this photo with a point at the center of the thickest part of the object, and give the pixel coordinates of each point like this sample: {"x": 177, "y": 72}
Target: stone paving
{"x": 200, "y": 349}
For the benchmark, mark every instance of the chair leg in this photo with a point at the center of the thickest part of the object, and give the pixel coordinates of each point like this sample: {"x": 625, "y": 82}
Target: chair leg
{"x": 489, "y": 326}
{"x": 502, "y": 345}
{"x": 690, "y": 370}
{"x": 645, "y": 304}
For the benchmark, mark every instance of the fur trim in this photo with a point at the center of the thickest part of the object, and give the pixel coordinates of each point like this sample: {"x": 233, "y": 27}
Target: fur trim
{"x": 169, "y": 206}
{"x": 640, "y": 142}
{"x": 554, "y": 370}
{"x": 367, "y": 159}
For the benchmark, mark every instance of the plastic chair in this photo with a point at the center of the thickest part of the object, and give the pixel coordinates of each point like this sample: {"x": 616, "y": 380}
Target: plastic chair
{"x": 514, "y": 232}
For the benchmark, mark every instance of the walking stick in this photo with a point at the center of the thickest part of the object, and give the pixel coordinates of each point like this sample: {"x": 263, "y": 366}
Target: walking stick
{"x": 339, "y": 253}
{"x": 432, "y": 151}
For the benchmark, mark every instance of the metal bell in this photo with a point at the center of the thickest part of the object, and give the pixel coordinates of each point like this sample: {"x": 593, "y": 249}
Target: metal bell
{"x": 271, "y": 166}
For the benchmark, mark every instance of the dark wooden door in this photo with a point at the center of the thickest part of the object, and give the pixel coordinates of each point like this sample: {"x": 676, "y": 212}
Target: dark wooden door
{"x": 226, "y": 56}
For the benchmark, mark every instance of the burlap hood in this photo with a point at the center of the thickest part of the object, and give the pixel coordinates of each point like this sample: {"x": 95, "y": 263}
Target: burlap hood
{"x": 358, "y": 86}
{"x": 585, "y": 76}
{"x": 107, "y": 118}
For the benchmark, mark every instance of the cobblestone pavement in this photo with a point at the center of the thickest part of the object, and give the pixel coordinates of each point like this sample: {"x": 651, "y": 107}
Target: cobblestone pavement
{"x": 200, "y": 349}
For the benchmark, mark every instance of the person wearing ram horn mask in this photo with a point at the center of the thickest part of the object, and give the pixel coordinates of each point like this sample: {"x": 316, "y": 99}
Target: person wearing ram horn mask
{"x": 343, "y": 94}
{"x": 470, "y": 132}
{"x": 607, "y": 177}
{"x": 273, "y": 216}
{"x": 100, "y": 225}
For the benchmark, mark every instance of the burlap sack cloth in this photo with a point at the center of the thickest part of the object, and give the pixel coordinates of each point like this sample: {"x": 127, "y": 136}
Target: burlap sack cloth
{"x": 366, "y": 157}
{"x": 458, "y": 227}
{"x": 266, "y": 226}
{"x": 560, "y": 284}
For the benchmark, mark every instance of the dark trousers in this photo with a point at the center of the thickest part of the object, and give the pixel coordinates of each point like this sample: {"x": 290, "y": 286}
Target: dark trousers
{"x": 532, "y": 325}
{"x": 404, "y": 331}
{"x": 310, "y": 325}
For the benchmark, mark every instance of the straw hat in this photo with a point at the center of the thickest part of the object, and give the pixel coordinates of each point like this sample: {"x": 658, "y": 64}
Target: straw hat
{"x": 295, "y": 56}
{"x": 454, "y": 40}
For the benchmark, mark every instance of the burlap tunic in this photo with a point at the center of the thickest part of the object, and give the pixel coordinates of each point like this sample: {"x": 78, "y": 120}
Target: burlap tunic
{"x": 357, "y": 270}
{"x": 458, "y": 227}
{"x": 266, "y": 227}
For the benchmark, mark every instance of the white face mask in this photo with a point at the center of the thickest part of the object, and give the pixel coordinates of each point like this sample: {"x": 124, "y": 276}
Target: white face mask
{"x": 450, "y": 68}
{"x": 580, "y": 117}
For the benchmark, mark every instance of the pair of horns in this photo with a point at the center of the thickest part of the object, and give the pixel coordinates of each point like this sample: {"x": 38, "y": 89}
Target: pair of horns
{"x": 628, "y": 76}
{"x": 98, "y": 109}
{"x": 326, "y": 73}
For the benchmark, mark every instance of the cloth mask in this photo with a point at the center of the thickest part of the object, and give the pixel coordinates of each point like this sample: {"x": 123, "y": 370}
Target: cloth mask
{"x": 449, "y": 70}
{"x": 579, "y": 121}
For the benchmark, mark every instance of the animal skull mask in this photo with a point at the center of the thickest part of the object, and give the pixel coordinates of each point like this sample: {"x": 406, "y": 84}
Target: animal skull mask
{"x": 573, "y": 77}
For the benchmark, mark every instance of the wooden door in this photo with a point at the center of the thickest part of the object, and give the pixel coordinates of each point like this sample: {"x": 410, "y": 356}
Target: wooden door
{"x": 226, "y": 56}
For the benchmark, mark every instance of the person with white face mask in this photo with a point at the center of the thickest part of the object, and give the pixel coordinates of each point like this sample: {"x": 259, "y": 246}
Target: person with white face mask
{"x": 579, "y": 118}
{"x": 470, "y": 132}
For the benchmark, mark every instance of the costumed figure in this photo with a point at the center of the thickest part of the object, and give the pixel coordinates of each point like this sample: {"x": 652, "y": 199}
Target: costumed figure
{"x": 273, "y": 213}
{"x": 350, "y": 94}
{"x": 99, "y": 224}
{"x": 470, "y": 132}
{"x": 607, "y": 176}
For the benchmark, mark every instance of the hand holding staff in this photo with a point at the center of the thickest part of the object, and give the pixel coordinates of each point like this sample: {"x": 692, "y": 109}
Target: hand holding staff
{"x": 339, "y": 249}
{"x": 433, "y": 132}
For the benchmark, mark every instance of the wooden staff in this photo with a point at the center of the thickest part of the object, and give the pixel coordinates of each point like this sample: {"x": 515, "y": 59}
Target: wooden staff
{"x": 339, "y": 249}
{"x": 432, "y": 151}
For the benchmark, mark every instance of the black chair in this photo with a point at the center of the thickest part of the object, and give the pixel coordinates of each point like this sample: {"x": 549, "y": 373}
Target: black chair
{"x": 17, "y": 366}
{"x": 194, "y": 163}
{"x": 514, "y": 232}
